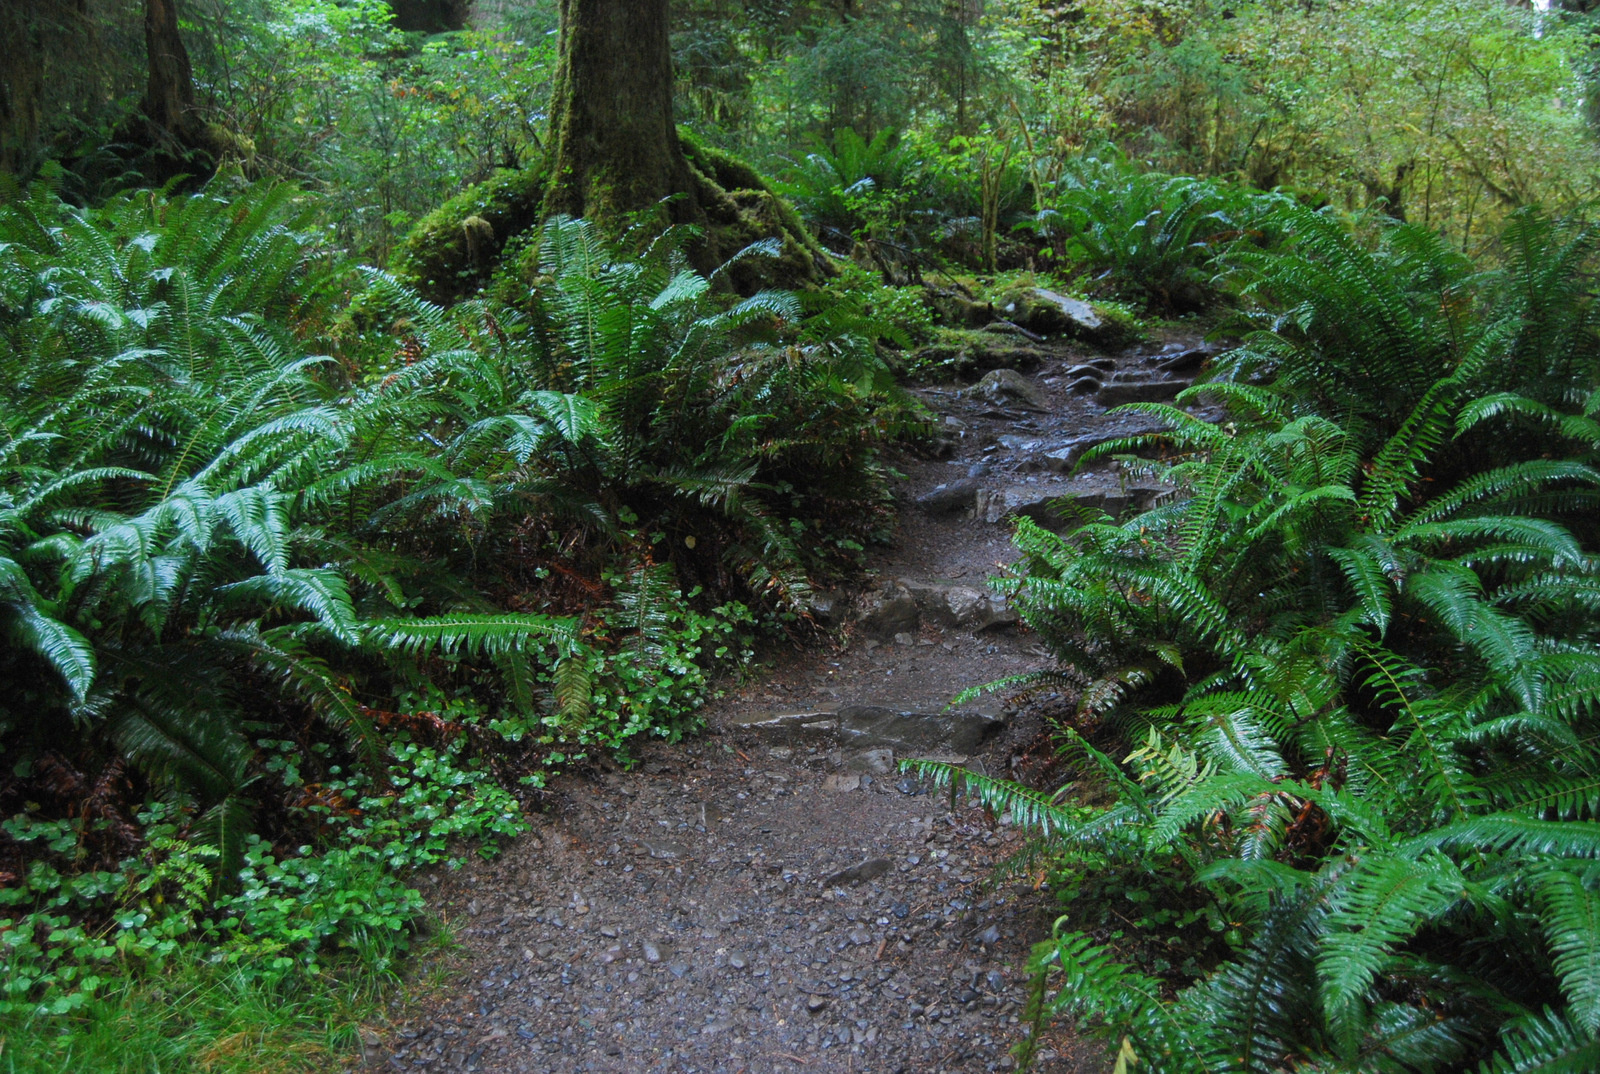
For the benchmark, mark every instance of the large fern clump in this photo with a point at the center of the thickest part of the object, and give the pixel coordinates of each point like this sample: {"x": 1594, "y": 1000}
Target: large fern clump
{"x": 1158, "y": 238}
{"x": 177, "y": 479}
{"x": 1353, "y": 668}
{"x": 212, "y": 534}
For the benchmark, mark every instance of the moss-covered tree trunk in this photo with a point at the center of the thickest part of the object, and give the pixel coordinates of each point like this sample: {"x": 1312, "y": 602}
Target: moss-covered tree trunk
{"x": 614, "y": 150}
{"x": 615, "y": 145}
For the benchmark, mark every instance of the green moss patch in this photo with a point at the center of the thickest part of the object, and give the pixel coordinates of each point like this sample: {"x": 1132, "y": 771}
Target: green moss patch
{"x": 453, "y": 250}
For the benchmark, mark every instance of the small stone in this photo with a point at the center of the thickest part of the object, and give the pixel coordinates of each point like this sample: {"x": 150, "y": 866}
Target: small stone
{"x": 527, "y": 955}
{"x": 370, "y": 1037}
{"x": 678, "y": 969}
{"x": 608, "y": 932}
{"x": 839, "y": 781}
{"x": 545, "y": 950}
{"x": 860, "y": 937}
{"x": 990, "y": 936}
{"x": 780, "y": 753}
{"x": 736, "y": 961}
{"x": 909, "y": 785}
{"x": 904, "y": 638}
{"x": 815, "y": 1003}
{"x": 870, "y": 869}
{"x": 652, "y": 953}
{"x": 1084, "y": 386}
{"x": 879, "y": 762}
{"x": 996, "y": 979}
{"x": 949, "y": 499}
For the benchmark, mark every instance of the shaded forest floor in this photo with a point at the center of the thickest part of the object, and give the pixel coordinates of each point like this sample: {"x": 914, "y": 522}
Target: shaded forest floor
{"x": 774, "y": 895}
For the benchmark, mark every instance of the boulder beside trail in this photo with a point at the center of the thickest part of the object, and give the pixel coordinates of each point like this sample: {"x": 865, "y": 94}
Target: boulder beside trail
{"x": 1053, "y": 314}
{"x": 1007, "y": 387}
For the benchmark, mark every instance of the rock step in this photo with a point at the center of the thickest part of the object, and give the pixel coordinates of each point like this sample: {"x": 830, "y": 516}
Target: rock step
{"x": 903, "y": 605}
{"x": 903, "y": 732}
{"x": 1060, "y": 507}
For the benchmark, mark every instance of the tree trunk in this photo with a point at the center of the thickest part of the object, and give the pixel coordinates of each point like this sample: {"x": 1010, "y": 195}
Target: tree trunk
{"x": 429, "y": 16}
{"x": 21, "y": 89}
{"x": 615, "y": 145}
{"x": 169, "y": 102}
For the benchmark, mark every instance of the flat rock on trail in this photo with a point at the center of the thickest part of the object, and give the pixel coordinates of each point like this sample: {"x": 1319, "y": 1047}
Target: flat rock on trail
{"x": 775, "y": 895}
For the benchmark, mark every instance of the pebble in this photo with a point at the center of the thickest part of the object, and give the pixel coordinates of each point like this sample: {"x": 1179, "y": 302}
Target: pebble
{"x": 870, "y": 869}
{"x": 652, "y": 953}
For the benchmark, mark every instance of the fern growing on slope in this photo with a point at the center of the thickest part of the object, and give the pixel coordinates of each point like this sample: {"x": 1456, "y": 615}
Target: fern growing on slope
{"x": 1360, "y": 648}
{"x": 207, "y": 531}
{"x": 166, "y": 480}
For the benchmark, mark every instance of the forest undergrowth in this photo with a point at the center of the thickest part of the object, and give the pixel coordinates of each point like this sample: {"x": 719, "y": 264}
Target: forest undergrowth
{"x": 307, "y": 582}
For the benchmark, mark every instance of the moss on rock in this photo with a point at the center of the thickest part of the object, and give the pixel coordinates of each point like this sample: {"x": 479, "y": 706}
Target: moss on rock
{"x": 742, "y": 208}
{"x": 453, "y": 250}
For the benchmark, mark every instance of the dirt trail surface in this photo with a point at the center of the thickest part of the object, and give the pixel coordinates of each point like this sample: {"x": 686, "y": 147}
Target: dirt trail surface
{"x": 775, "y": 895}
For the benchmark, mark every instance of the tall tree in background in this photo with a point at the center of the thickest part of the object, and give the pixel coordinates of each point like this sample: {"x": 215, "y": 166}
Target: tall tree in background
{"x": 20, "y": 89}
{"x": 169, "y": 101}
{"x": 615, "y": 145}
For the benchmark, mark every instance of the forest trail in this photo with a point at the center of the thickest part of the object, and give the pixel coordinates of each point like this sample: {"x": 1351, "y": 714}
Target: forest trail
{"x": 774, "y": 896}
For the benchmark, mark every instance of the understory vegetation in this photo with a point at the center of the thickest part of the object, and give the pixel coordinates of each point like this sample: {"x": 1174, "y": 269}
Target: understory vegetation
{"x": 345, "y": 494}
{"x": 1341, "y": 688}
{"x": 306, "y": 581}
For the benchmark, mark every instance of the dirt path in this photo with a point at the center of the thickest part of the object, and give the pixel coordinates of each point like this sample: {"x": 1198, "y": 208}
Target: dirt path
{"x": 774, "y": 896}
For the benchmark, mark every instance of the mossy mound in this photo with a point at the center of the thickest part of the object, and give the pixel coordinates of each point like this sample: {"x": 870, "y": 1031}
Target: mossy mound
{"x": 453, "y": 250}
{"x": 959, "y": 354}
{"x": 742, "y": 208}
{"x": 1032, "y": 304}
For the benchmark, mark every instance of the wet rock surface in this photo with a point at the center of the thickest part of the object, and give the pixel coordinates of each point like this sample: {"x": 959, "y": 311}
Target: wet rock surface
{"x": 776, "y": 895}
